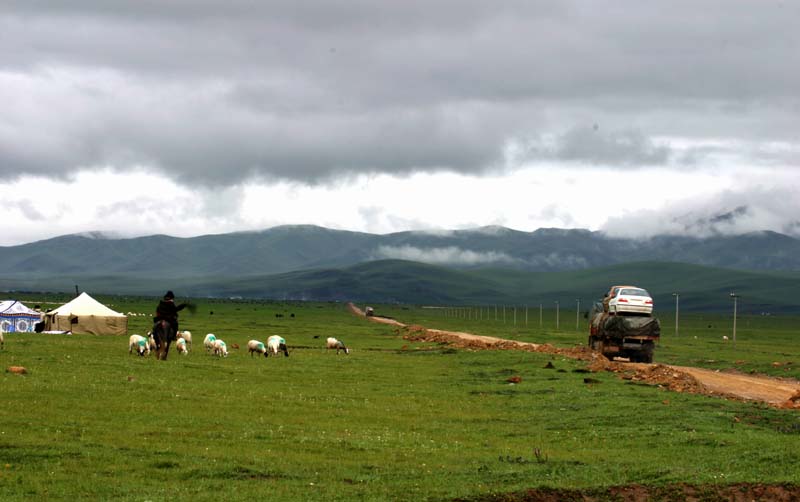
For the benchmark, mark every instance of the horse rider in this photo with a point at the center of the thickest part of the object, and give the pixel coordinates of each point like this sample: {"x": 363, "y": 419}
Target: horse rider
{"x": 168, "y": 311}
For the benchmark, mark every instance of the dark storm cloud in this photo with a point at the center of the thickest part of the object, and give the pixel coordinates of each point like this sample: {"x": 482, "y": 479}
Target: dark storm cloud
{"x": 590, "y": 145}
{"x": 217, "y": 92}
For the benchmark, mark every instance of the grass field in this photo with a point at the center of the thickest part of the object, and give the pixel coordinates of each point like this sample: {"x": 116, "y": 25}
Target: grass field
{"x": 391, "y": 421}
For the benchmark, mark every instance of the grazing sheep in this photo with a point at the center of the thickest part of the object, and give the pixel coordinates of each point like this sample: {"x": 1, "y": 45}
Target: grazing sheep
{"x": 180, "y": 346}
{"x": 139, "y": 343}
{"x": 725, "y": 337}
{"x": 333, "y": 343}
{"x": 276, "y": 343}
{"x": 256, "y": 346}
{"x": 186, "y": 335}
{"x": 209, "y": 342}
{"x": 220, "y": 348}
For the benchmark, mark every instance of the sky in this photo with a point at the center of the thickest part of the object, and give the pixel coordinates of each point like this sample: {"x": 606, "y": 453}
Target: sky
{"x": 199, "y": 117}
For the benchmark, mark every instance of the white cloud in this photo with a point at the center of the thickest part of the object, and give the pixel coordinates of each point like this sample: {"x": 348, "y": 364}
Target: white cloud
{"x": 450, "y": 255}
{"x": 640, "y": 202}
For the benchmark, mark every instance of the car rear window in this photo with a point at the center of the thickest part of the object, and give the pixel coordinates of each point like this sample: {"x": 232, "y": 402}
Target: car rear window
{"x": 634, "y": 292}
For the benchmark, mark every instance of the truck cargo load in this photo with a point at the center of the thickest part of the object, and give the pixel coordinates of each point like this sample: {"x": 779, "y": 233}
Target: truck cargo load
{"x": 629, "y": 336}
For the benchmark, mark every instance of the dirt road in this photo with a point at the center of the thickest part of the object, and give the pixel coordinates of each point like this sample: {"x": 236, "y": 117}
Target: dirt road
{"x": 781, "y": 393}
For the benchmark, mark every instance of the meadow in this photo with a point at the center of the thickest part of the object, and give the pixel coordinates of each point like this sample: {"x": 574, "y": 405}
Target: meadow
{"x": 394, "y": 420}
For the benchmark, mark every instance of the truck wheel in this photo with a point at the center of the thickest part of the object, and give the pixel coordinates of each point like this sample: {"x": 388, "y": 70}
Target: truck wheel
{"x": 646, "y": 356}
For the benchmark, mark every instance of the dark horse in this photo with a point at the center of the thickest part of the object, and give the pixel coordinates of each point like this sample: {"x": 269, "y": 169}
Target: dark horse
{"x": 163, "y": 334}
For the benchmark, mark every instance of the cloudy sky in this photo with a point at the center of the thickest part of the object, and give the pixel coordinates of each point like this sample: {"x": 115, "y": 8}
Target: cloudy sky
{"x": 196, "y": 117}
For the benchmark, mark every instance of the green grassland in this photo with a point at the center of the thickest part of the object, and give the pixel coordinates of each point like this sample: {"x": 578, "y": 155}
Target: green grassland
{"x": 394, "y": 420}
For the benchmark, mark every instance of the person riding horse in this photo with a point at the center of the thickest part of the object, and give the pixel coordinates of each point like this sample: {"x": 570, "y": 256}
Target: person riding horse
{"x": 168, "y": 311}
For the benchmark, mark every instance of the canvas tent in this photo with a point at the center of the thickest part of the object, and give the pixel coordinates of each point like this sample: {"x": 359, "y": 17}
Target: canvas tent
{"x": 17, "y": 318}
{"x": 85, "y": 315}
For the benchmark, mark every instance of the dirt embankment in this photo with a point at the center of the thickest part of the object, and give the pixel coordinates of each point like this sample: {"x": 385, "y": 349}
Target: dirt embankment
{"x": 781, "y": 393}
{"x": 678, "y": 492}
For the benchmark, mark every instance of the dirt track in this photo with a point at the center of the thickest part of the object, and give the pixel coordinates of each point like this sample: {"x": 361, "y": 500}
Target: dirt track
{"x": 781, "y": 393}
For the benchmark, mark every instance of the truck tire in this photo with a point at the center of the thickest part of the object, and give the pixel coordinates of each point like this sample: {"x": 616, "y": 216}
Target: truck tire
{"x": 646, "y": 355}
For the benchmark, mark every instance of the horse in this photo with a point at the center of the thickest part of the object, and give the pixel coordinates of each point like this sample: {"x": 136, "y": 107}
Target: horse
{"x": 163, "y": 334}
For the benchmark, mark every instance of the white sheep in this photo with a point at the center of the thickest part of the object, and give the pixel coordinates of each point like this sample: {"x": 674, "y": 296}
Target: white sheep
{"x": 208, "y": 343}
{"x": 220, "y": 348}
{"x": 725, "y": 337}
{"x": 151, "y": 341}
{"x": 186, "y": 335}
{"x": 139, "y": 343}
{"x": 333, "y": 343}
{"x": 276, "y": 343}
{"x": 180, "y": 346}
{"x": 254, "y": 346}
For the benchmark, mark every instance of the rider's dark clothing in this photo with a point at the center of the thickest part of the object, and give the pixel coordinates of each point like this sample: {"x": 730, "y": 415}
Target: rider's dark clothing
{"x": 168, "y": 311}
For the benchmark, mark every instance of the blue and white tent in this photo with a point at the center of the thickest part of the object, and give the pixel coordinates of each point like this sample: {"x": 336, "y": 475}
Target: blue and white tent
{"x": 17, "y": 318}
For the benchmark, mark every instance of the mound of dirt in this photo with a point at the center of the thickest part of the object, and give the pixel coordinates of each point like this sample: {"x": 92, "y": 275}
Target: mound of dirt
{"x": 737, "y": 492}
{"x": 665, "y": 376}
{"x": 654, "y": 374}
{"x": 793, "y": 402}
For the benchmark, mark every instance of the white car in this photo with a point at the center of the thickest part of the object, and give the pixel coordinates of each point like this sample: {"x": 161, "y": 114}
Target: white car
{"x": 630, "y": 299}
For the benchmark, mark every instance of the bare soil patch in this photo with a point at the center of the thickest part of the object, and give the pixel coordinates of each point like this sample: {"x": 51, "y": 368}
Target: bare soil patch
{"x": 737, "y": 492}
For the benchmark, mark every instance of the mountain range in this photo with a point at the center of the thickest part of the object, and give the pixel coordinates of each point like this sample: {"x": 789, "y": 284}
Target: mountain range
{"x": 467, "y": 266}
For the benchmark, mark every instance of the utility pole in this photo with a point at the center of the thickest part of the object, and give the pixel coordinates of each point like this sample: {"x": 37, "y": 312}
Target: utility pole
{"x": 540, "y": 316}
{"x": 577, "y": 314}
{"x": 735, "y": 301}
{"x": 677, "y": 298}
{"x": 556, "y": 315}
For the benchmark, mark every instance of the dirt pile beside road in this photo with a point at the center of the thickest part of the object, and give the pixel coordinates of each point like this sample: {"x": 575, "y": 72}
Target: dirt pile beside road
{"x": 654, "y": 374}
{"x": 468, "y": 341}
{"x": 676, "y": 492}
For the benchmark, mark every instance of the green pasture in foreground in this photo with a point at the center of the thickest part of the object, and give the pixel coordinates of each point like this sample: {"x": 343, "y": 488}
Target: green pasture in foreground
{"x": 392, "y": 421}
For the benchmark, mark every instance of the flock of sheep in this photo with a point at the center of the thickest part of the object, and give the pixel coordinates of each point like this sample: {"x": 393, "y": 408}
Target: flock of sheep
{"x": 143, "y": 345}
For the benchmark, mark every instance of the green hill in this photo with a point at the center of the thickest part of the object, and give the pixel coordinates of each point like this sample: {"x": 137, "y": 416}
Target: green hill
{"x": 304, "y": 247}
{"x": 396, "y": 281}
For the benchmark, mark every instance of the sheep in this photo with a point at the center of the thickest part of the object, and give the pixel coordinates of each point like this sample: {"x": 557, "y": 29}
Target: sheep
{"x": 151, "y": 341}
{"x": 333, "y": 343}
{"x": 256, "y": 346}
{"x": 139, "y": 343}
{"x": 220, "y": 348}
{"x": 725, "y": 337}
{"x": 2, "y": 340}
{"x": 186, "y": 335}
{"x": 209, "y": 342}
{"x": 180, "y": 345}
{"x": 276, "y": 343}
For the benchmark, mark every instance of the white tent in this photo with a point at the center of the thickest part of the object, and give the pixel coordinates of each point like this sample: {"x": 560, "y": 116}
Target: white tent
{"x": 16, "y": 317}
{"x": 84, "y": 314}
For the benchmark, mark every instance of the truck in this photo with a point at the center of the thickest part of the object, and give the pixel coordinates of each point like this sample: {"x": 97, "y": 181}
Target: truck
{"x": 623, "y": 335}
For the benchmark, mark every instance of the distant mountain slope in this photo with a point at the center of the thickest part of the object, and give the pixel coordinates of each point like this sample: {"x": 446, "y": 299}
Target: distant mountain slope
{"x": 291, "y": 248}
{"x": 396, "y": 281}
